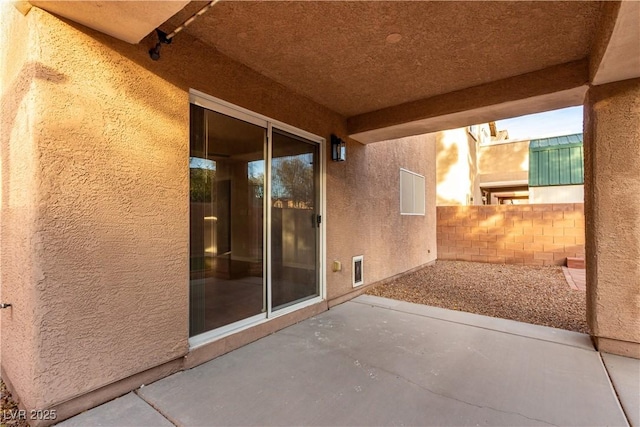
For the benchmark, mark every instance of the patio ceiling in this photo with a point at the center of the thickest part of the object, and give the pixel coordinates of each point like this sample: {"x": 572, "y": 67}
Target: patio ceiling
{"x": 396, "y": 68}
{"x": 357, "y": 57}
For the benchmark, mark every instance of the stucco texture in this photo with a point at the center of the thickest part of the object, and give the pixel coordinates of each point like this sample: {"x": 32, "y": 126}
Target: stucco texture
{"x": 103, "y": 235}
{"x": 364, "y": 211}
{"x": 20, "y": 73}
{"x": 444, "y": 46}
{"x": 612, "y": 185}
{"x": 511, "y": 158}
{"x": 105, "y": 184}
{"x": 351, "y": 218}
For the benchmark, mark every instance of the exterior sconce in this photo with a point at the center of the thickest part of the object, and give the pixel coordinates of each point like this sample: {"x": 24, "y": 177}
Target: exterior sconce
{"x": 338, "y": 149}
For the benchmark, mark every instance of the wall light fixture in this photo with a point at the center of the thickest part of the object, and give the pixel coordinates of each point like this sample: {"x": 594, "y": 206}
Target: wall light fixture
{"x": 338, "y": 149}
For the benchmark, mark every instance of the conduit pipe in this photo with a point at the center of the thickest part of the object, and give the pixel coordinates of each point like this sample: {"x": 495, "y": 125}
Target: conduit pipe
{"x": 166, "y": 38}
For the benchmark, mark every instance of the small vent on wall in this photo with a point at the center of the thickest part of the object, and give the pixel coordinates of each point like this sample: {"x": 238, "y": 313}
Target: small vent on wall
{"x": 358, "y": 270}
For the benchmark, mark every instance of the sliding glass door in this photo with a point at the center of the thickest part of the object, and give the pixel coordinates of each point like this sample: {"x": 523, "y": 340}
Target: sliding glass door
{"x": 254, "y": 220}
{"x": 294, "y": 219}
{"x": 227, "y": 163}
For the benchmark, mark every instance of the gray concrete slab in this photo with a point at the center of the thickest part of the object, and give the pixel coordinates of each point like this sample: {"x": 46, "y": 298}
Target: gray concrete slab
{"x": 362, "y": 364}
{"x": 625, "y": 375}
{"x": 128, "y": 410}
{"x": 544, "y": 333}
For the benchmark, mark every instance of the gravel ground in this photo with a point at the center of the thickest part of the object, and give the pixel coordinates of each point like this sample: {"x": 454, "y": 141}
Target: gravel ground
{"x": 538, "y": 295}
{"x": 8, "y": 406}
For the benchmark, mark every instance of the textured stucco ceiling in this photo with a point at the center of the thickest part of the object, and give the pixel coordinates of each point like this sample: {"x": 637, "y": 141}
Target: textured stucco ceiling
{"x": 338, "y": 53}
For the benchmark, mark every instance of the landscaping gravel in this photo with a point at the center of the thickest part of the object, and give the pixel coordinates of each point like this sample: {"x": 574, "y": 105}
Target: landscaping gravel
{"x": 538, "y": 295}
{"x": 9, "y": 409}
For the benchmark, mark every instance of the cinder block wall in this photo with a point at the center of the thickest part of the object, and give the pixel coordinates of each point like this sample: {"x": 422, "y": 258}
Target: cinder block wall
{"x": 512, "y": 234}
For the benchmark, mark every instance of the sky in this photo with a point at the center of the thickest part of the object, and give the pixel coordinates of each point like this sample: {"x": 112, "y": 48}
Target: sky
{"x": 565, "y": 121}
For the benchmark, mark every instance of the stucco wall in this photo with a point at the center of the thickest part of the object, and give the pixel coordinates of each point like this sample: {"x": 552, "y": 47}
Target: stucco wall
{"x": 20, "y": 73}
{"x": 488, "y": 180}
{"x": 557, "y": 194}
{"x": 106, "y": 204}
{"x": 508, "y": 158}
{"x": 612, "y": 185}
{"x": 457, "y": 174}
{"x": 105, "y": 243}
{"x": 364, "y": 211}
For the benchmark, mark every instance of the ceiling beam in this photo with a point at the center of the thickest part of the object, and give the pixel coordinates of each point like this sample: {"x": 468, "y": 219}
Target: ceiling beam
{"x": 551, "y": 88}
{"x": 129, "y": 21}
{"x": 615, "y": 54}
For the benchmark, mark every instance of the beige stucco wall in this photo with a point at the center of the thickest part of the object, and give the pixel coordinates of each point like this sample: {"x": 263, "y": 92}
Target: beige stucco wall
{"x": 504, "y": 179}
{"x": 457, "y": 174}
{"x": 364, "y": 211}
{"x": 101, "y": 202}
{"x": 511, "y": 159}
{"x": 557, "y": 194}
{"x": 103, "y": 243}
{"x": 20, "y": 73}
{"x": 612, "y": 209}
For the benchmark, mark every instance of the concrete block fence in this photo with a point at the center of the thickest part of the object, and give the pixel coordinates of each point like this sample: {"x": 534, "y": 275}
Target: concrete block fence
{"x": 543, "y": 234}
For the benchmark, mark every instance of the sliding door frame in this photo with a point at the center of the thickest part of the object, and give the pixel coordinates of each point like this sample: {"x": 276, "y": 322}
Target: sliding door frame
{"x": 214, "y": 104}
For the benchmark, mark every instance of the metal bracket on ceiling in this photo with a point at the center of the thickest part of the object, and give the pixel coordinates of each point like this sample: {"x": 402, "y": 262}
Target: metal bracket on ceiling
{"x": 154, "y": 52}
{"x": 165, "y": 38}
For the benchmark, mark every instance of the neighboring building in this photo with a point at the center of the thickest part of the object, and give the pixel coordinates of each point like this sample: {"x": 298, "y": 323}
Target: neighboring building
{"x": 503, "y": 171}
{"x": 156, "y": 214}
{"x": 457, "y": 181}
{"x": 556, "y": 170}
{"x": 547, "y": 170}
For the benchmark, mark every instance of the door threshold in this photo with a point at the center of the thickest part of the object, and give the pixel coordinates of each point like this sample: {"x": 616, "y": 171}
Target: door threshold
{"x": 242, "y": 325}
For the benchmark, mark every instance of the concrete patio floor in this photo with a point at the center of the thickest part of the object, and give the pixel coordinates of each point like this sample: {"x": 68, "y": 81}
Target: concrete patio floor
{"x": 375, "y": 361}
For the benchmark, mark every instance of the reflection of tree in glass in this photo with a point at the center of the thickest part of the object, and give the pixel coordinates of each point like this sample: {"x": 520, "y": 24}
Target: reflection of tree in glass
{"x": 201, "y": 184}
{"x": 293, "y": 179}
{"x": 255, "y": 171}
{"x": 257, "y": 184}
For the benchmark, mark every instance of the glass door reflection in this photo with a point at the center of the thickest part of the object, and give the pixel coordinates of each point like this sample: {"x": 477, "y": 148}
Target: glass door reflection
{"x": 227, "y": 173}
{"x": 294, "y": 219}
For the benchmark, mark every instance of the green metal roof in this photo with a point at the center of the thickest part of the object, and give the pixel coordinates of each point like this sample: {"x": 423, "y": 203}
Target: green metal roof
{"x": 556, "y": 141}
{"x": 556, "y": 161}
